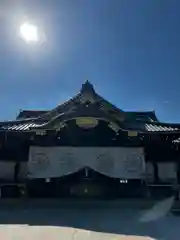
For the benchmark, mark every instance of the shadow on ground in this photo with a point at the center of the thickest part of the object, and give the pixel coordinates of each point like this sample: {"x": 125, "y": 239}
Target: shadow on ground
{"x": 107, "y": 220}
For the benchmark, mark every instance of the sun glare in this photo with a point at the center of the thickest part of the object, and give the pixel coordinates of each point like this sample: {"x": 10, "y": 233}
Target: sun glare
{"x": 29, "y": 33}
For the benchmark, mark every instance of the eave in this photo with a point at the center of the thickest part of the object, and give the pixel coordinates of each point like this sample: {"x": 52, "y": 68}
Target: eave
{"x": 140, "y": 127}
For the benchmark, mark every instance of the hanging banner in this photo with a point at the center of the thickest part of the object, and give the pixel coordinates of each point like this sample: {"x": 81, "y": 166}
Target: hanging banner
{"x": 46, "y": 162}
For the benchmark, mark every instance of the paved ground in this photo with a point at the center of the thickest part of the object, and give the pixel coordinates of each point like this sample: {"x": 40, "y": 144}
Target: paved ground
{"x": 53, "y": 233}
{"x": 87, "y": 223}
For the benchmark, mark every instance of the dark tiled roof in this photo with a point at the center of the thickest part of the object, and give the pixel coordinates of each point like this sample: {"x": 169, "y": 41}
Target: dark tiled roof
{"x": 87, "y": 92}
{"x": 135, "y": 121}
{"x": 144, "y": 116}
{"x": 30, "y": 114}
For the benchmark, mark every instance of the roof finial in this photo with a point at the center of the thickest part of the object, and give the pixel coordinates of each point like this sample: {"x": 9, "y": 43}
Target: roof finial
{"x": 87, "y": 87}
{"x": 87, "y": 81}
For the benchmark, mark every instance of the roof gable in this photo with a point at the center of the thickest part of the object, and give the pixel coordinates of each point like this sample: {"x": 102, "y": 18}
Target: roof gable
{"x": 88, "y": 95}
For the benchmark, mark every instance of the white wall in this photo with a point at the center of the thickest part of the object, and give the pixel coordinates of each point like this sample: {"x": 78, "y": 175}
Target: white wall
{"x": 167, "y": 171}
{"x": 7, "y": 170}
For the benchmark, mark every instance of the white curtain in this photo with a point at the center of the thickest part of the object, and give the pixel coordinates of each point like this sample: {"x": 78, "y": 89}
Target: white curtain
{"x": 167, "y": 171}
{"x": 45, "y": 162}
{"x": 7, "y": 170}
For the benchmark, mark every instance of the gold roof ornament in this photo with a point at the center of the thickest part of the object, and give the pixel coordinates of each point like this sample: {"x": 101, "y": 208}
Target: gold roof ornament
{"x": 132, "y": 134}
{"x": 87, "y": 122}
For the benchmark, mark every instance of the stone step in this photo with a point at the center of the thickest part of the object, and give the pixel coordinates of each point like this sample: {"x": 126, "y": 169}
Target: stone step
{"x": 77, "y": 203}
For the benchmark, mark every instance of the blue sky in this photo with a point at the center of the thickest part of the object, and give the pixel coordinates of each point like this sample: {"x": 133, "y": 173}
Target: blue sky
{"x": 129, "y": 50}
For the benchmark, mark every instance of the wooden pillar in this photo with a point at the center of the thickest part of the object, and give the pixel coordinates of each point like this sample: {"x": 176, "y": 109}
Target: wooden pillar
{"x": 16, "y": 171}
{"x": 177, "y": 180}
{"x": 156, "y": 172}
{"x": 145, "y": 182}
{"x": 178, "y": 172}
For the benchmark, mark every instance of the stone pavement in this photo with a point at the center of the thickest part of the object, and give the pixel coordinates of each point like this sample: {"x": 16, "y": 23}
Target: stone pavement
{"x": 56, "y": 233}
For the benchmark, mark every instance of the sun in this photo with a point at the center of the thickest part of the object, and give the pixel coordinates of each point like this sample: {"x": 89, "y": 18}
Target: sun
{"x": 29, "y": 33}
